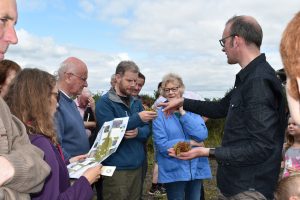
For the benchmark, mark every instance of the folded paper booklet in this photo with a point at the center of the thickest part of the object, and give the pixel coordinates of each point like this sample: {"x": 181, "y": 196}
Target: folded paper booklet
{"x": 106, "y": 143}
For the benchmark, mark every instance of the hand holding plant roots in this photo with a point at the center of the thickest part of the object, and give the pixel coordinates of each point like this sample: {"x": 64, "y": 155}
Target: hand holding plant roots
{"x": 150, "y": 109}
{"x": 181, "y": 147}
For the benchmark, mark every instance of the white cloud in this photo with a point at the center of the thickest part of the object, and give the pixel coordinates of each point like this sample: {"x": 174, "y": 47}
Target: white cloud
{"x": 108, "y": 10}
{"x": 162, "y": 36}
{"x": 40, "y": 5}
{"x": 33, "y": 51}
{"x": 32, "y": 4}
{"x": 87, "y": 6}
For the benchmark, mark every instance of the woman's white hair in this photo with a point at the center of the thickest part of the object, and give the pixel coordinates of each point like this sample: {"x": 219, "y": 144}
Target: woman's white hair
{"x": 176, "y": 80}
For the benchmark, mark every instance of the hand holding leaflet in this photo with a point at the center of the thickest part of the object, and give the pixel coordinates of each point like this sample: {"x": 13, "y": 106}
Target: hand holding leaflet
{"x": 108, "y": 139}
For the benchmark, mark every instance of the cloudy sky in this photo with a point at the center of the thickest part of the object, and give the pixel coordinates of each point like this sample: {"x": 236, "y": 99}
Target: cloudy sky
{"x": 161, "y": 36}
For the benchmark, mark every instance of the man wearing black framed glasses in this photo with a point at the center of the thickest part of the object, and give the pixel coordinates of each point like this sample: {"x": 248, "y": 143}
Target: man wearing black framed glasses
{"x": 250, "y": 155}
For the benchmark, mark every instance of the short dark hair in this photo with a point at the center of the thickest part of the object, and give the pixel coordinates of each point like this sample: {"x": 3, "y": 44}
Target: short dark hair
{"x": 159, "y": 85}
{"x": 124, "y": 66}
{"x": 142, "y": 76}
{"x": 248, "y": 29}
{"x": 281, "y": 75}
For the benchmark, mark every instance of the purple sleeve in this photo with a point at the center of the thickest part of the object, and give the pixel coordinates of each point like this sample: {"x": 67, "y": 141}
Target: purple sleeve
{"x": 57, "y": 183}
{"x": 81, "y": 189}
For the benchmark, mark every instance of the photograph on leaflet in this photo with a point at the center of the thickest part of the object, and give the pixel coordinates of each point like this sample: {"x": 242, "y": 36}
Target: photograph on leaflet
{"x": 106, "y": 143}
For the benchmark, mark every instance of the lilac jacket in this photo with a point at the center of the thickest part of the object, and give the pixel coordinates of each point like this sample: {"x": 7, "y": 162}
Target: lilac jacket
{"x": 57, "y": 185}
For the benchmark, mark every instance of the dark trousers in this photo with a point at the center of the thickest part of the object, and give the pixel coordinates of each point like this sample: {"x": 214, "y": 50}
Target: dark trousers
{"x": 98, "y": 186}
{"x": 202, "y": 197}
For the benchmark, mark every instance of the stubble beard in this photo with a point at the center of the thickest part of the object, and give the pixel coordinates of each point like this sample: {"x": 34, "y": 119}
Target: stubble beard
{"x": 124, "y": 91}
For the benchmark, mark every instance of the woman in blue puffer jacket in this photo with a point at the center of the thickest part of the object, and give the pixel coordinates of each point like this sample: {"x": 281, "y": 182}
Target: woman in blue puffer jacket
{"x": 182, "y": 178}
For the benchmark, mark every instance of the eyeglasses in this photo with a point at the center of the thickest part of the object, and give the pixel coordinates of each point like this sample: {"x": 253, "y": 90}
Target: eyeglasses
{"x": 222, "y": 41}
{"x": 168, "y": 90}
{"x": 83, "y": 79}
{"x": 56, "y": 95}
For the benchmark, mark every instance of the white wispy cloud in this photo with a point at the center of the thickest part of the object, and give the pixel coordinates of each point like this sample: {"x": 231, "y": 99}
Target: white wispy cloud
{"x": 43, "y": 52}
{"x": 161, "y": 36}
{"x": 40, "y": 5}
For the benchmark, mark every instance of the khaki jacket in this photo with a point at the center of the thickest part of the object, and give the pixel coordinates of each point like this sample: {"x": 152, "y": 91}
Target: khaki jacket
{"x": 27, "y": 160}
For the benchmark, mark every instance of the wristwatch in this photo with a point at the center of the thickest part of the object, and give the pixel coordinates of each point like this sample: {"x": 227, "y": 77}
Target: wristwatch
{"x": 211, "y": 153}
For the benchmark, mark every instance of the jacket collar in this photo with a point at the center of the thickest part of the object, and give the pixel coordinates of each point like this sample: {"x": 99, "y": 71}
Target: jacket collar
{"x": 251, "y": 67}
{"x": 112, "y": 95}
{"x": 65, "y": 96}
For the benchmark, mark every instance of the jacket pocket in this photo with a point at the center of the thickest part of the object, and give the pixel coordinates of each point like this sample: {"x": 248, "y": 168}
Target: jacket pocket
{"x": 171, "y": 165}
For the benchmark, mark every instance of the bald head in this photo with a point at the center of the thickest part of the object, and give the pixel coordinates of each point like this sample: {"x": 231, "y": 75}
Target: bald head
{"x": 86, "y": 92}
{"x": 72, "y": 76}
{"x": 246, "y": 27}
{"x": 71, "y": 64}
{"x": 83, "y": 98}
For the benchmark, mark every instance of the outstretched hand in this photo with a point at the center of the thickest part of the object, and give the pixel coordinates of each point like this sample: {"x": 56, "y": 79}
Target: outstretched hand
{"x": 171, "y": 106}
{"x": 147, "y": 115}
{"x": 191, "y": 154}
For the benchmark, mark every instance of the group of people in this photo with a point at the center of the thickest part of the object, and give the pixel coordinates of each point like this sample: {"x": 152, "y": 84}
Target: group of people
{"x": 42, "y": 128}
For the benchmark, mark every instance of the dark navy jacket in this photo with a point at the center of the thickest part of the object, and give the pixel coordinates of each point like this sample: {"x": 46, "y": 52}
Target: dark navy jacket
{"x": 70, "y": 128}
{"x": 250, "y": 155}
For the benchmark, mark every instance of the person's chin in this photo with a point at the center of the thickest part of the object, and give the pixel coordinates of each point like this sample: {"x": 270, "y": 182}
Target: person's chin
{"x": 231, "y": 62}
{"x": 129, "y": 93}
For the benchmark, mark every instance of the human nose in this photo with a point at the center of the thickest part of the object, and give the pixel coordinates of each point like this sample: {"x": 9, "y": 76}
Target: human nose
{"x": 11, "y": 35}
{"x": 134, "y": 84}
{"x": 85, "y": 83}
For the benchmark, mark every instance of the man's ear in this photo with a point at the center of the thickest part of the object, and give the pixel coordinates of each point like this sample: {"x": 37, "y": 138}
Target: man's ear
{"x": 236, "y": 41}
{"x": 118, "y": 78}
{"x": 67, "y": 77}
